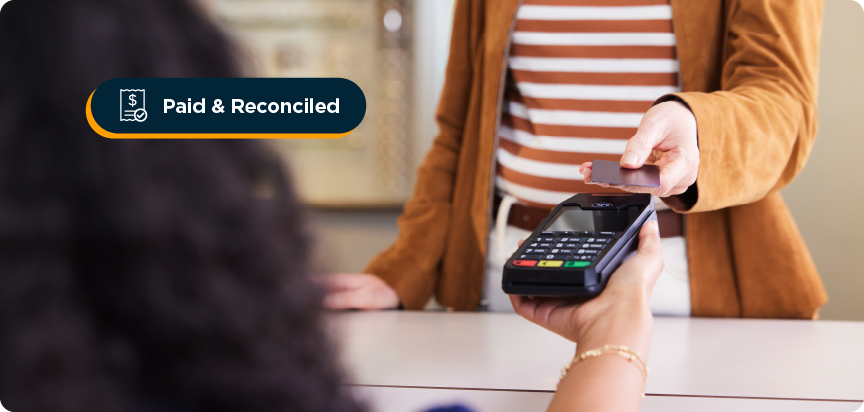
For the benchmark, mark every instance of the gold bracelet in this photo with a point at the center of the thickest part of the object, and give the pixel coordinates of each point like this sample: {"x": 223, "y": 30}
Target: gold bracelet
{"x": 607, "y": 349}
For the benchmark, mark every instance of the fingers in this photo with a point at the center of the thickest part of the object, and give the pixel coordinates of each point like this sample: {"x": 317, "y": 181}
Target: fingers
{"x": 358, "y": 291}
{"x": 343, "y": 300}
{"x": 586, "y": 166}
{"x": 670, "y": 183}
{"x": 675, "y": 170}
{"x": 522, "y": 305}
{"x": 640, "y": 146}
{"x": 342, "y": 281}
{"x": 359, "y": 299}
{"x": 635, "y": 189}
{"x": 554, "y": 314}
{"x": 668, "y": 135}
{"x": 527, "y": 307}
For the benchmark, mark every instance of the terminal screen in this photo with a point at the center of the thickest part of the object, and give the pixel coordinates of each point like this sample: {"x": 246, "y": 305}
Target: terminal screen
{"x": 573, "y": 218}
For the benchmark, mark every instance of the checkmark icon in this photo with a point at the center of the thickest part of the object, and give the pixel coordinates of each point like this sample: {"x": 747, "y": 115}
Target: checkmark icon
{"x": 140, "y": 115}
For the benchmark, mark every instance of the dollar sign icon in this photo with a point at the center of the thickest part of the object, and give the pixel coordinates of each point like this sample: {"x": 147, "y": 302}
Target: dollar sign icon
{"x": 132, "y": 100}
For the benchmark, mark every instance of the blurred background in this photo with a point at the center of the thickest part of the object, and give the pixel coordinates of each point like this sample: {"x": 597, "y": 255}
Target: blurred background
{"x": 396, "y": 50}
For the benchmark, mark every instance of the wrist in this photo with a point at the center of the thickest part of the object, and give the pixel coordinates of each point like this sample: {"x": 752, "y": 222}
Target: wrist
{"x": 628, "y": 324}
{"x": 671, "y": 98}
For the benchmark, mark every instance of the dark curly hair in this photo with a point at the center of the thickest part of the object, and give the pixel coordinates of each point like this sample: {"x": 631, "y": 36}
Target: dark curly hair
{"x": 144, "y": 275}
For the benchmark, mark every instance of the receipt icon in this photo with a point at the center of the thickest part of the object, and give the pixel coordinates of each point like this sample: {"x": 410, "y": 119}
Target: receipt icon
{"x": 132, "y": 105}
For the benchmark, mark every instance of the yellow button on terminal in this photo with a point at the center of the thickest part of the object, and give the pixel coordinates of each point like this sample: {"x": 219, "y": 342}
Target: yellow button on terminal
{"x": 550, "y": 263}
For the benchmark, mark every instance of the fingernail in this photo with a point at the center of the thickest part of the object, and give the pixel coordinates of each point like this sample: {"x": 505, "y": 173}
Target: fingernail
{"x": 630, "y": 158}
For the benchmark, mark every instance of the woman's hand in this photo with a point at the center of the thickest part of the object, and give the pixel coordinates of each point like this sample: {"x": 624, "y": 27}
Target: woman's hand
{"x": 667, "y": 137}
{"x": 358, "y": 291}
{"x": 619, "y": 316}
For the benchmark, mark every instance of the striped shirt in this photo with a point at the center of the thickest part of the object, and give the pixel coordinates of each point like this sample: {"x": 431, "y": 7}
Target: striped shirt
{"x": 582, "y": 74}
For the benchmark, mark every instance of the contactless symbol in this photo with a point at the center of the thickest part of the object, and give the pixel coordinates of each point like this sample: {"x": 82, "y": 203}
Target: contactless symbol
{"x": 602, "y": 205}
{"x": 132, "y": 105}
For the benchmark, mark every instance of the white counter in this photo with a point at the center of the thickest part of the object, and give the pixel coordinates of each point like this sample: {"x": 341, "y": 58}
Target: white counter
{"x": 732, "y": 359}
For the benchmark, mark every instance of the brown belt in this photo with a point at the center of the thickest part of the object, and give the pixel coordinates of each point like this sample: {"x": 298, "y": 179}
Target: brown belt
{"x": 529, "y": 217}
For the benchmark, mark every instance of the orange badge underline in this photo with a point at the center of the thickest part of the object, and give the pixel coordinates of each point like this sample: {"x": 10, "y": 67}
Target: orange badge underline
{"x": 104, "y": 133}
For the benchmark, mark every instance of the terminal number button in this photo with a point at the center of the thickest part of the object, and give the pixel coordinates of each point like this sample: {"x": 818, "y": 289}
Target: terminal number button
{"x": 555, "y": 257}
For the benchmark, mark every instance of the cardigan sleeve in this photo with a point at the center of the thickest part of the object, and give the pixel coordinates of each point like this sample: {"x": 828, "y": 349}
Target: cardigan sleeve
{"x": 756, "y": 132}
{"x": 411, "y": 265}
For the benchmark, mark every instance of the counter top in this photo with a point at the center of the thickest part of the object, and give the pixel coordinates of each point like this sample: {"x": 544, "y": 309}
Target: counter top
{"x": 735, "y": 358}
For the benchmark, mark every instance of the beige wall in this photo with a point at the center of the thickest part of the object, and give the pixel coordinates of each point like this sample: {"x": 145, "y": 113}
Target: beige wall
{"x": 827, "y": 199}
{"x": 828, "y": 206}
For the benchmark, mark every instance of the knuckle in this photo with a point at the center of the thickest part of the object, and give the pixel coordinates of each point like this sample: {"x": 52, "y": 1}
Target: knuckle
{"x": 640, "y": 142}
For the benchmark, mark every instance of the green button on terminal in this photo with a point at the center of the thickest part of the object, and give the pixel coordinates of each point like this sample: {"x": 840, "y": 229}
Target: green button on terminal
{"x": 576, "y": 264}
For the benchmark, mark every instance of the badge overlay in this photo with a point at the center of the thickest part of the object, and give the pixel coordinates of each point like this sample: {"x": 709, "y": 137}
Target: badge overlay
{"x": 318, "y": 108}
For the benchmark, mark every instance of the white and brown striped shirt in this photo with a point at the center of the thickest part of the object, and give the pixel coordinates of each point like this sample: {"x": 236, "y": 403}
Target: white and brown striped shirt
{"x": 582, "y": 74}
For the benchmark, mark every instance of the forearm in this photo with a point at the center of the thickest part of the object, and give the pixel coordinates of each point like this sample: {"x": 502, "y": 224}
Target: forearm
{"x": 751, "y": 143}
{"x": 756, "y": 133}
{"x": 608, "y": 382}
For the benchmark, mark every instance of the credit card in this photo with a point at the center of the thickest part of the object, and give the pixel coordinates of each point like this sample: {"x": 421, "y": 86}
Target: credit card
{"x": 604, "y": 171}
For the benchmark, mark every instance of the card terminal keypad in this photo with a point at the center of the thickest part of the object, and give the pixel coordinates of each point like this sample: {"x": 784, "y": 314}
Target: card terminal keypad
{"x": 567, "y": 249}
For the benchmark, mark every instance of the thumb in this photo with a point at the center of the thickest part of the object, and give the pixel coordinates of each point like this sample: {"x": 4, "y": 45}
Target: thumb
{"x": 650, "y": 254}
{"x": 649, "y": 239}
{"x": 639, "y": 147}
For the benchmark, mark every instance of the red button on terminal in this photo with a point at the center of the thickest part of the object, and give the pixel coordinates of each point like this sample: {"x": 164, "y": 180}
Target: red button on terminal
{"x": 529, "y": 263}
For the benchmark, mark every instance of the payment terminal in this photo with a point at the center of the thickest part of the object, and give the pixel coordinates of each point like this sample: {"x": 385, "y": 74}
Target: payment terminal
{"x": 576, "y": 248}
